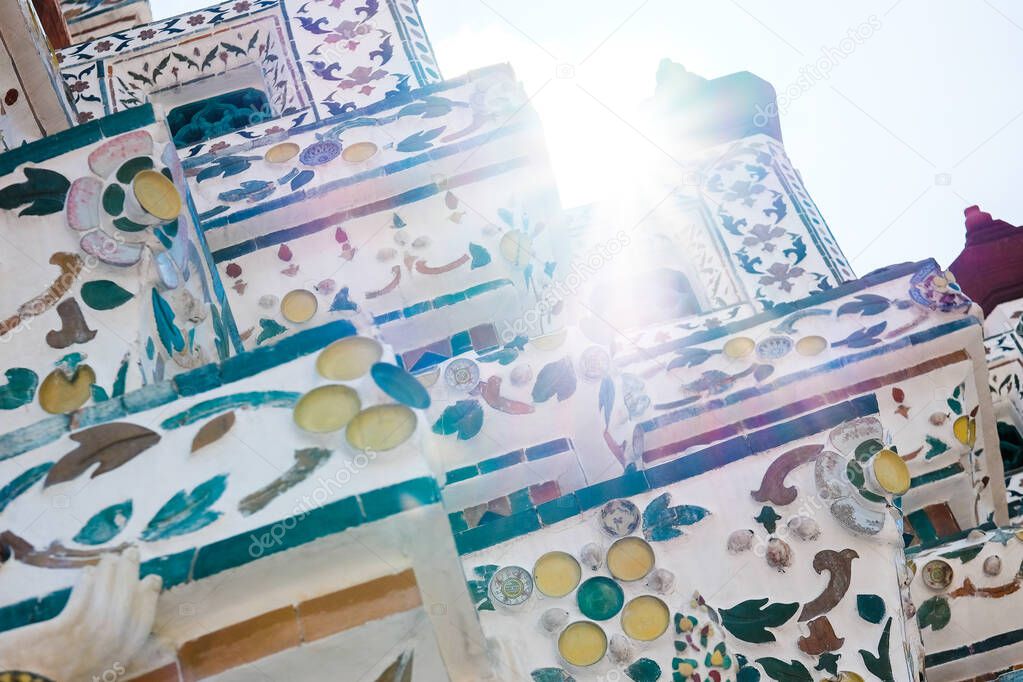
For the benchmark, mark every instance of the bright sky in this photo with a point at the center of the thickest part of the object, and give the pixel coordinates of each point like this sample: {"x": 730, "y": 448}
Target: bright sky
{"x": 913, "y": 124}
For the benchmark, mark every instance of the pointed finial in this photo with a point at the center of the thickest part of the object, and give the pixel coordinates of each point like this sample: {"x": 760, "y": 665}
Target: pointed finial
{"x": 976, "y": 219}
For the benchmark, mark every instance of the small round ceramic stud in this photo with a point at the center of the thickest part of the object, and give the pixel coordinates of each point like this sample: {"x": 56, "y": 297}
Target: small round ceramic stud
{"x": 937, "y": 574}
{"x": 804, "y": 527}
{"x": 592, "y": 556}
{"x": 619, "y": 518}
{"x": 511, "y": 586}
{"x": 620, "y": 649}
{"x": 553, "y": 620}
{"x": 779, "y": 554}
{"x": 661, "y": 580}
{"x": 521, "y": 375}
{"x": 582, "y": 644}
{"x": 993, "y": 565}
{"x": 740, "y": 541}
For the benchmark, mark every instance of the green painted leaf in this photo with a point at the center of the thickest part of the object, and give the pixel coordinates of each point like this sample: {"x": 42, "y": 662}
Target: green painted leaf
{"x": 644, "y": 670}
{"x": 555, "y": 379}
{"x": 828, "y": 662}
{"x": 464, "y": 418}
{"x": 105, "y": 525}
{"x": 170, "y": 335}
{"x": 43, "y": 190}
{"x": 187, "y": 512}
{"x": 121, "y": 380}
{"x": 102, "y": 294}
{"x": 269, "y": 329}
{"x": 132, "y": 167}
{"x": 934, "y": 612}
{"x": 20, "y": 388}
{"x": 551, "y": 675}
{"x": 220, "y": 330}
{"x": 113, "y": 200}
{"x": 748, "y": 620}
{"x": 870, "y": 607}
{"x": 22, "y": 483}
{"x": 935, "y": 446}
{"x": 479, "y": 589}
{"x": 768, "y": 518}
{"x": 881, "y": 663}
{"x": 663, "y": 522}
{"x": 779, "y": 670}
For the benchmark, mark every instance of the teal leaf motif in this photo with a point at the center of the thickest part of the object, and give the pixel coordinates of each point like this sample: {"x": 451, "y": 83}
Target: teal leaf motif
{"x": 21, "y": 483}
{"x": 644, "y": 670}
{"x": 768, "y": 518}
{"x": 870, "y": 607}
{"x": 779, "y": 670}
{"x": 20, "y": 388}
{"x": 105, "y": 525}
{"x": 480, "y": 256}
{"x": 828, "y": 662}
{"x": 866, "y": 304}
{"x": 934, "y": 613}
{"x": 750, "y": 619}
{"x": 419, "y": 141}
{"x": 935, "y": 447}
{"x": 881, "y": 663}
{"x": 103, "y": 294}
{"x": 269, "y": 329}
{"x": 661, "y": 522}
{"x": 606, "y": 399}
{"x": 863, "y": 338}
{"x": 551, "y": 675}
{"x": 209, "y": 408}
{"x": 170, "y": 335}
{"x": 464, "y": 418}
{"x": 555, "y": 379}
{"x": 43, "y": 190}
{"x": 479, "y": 588}
{"x": 187, "y": 512}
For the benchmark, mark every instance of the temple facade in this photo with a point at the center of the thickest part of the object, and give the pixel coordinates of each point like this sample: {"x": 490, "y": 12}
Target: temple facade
{"x": 307, "y": 373}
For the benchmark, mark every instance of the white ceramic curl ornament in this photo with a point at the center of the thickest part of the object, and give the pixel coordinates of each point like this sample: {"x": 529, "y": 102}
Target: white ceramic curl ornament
{"x": 105, "y": 622}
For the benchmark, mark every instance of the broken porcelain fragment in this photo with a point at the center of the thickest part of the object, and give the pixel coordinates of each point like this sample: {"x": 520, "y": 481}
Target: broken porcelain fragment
{"x": 779, "y": 554}
{"x": 740, "y": 541}
{"x": 804, "y": 528}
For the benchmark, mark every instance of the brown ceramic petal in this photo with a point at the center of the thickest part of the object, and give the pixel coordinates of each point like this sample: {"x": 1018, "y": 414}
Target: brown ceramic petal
{"x": 772, "y": 487}
{"x": 839, "y": 566}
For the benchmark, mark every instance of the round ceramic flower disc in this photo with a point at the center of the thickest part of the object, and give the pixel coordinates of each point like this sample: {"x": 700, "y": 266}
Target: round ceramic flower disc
{"x": 811, "y": 345}
{"x": 327, "y": 408}
{"x": 739, "y": 347}
{"x": 891, "y": 472}
{"x": 619, "y": 518}
{"x": 645, "y": 618}
{"x": 280, "y": 153}
{"x": 556, "y": 574}
{"x": 299, "y": 306}
{"x": 157, "y": 194}
{"x": 511, "y": 586}
{"x": 59, "y": 395}
{"x": 359, "y": 152}
{"x": 348, "y": 358}
{"x": 381, "y": 427}
{"x": 582, "y": 644}
{"x": 937, "y": 574}
{"x": 630, "y": 558}
{"x": 600, "y": 598}
{"x": 462, "y": 374}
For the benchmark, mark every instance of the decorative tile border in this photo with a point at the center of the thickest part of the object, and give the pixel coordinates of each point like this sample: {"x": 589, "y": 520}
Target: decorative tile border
{"x": 530, "y": 454}
{"x": 239, "y": 550}
{"x": 636, "y": 482}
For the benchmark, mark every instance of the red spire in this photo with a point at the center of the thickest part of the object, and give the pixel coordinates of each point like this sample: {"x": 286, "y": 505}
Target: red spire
{"x": 990, "y": 267}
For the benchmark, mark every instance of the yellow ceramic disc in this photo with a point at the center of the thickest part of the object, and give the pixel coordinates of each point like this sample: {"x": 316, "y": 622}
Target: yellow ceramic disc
{"x": 811, "y": 345}
{"x": 582, "y": 643}
{"x": 645, "y": 618}
{"x": 348, "y": 358}
{"x": 299, "y": 306}
{"x": 327, "y": 408}
{"x": 157, "y": 195}
{"x": 550, "y": 341}
{"x": 891, "y": 472}
{"x": 359, "y": 152}
{"x": 58, "y": 395}
{"x": 556, "y": 574}
{"x": 381, "y": 427}
{"x": 739, "y": 347}
{"x": 280, "y": 153}
{"x": 848, "y": 676}
{"x": 517, "y": 248}
{"x": 630, "y": 558}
